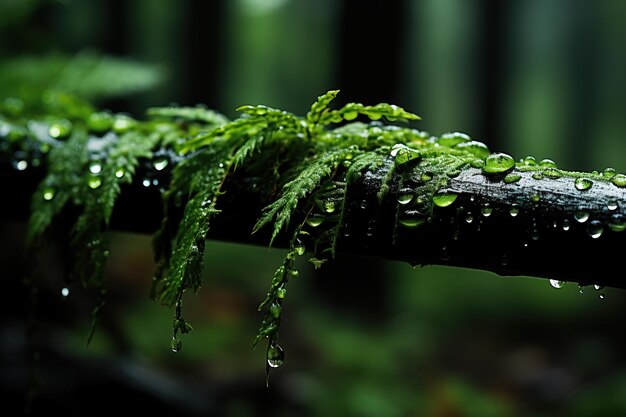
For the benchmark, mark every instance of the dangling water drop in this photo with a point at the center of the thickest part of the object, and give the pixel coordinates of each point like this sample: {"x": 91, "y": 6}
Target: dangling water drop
{"x": 119, "y": 173}
{"x": 94, "y": 182}
{"x": 19, "y": 164}
{"x": 405, "y": 199}
{"x": 95, "y": 167}
{"x": 612, "y": 205}
{"x": 281, "y": 292}
{"x": 146, "y": 182}
{"x": 444, "y": 199}
{"x": 619, "y": 180}
{"x": 595, "y": 229}
{"x": 314, "y": 221}
{"x": 176, "y": 344}
{"x": 535, "y": 199}
{"x": 617, "y": 223}
{"x": 65, "y": 292}
{"x": 363, "y": 204}
{"x": 598, "y": 287}
{"x": 60, "y": 129}
{"x": 275, "y": 355}
{"x": 469, "y": 217}
{"x": 581, "y": 216}
{"x": 566, "y": 225}
{"x": 556, "y": 283}
{"x": 498, "y": 163}
{"x": 48, "y": 193}
{"x": 486, "y": 210}
{"x": 514, "y": 211}
{"x": 160, "y": 163}
{"x": 329, "y": 206}
{"x": 583, "y": 184}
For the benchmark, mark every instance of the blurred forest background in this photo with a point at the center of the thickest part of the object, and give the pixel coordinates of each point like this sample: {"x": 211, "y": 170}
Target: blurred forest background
{"x": 362, "y": 337}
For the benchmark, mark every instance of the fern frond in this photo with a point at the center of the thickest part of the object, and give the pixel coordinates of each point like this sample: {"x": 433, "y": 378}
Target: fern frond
{"x": 352, "y": 110}
{"x": 199, "y": 178}
{"x": 320, "y": 107}
{"x": 191, "y": 114}
{"x": 307, "y": 180}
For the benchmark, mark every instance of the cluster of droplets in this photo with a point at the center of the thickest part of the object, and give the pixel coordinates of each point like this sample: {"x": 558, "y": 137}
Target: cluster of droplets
{"x": 558, "y": 284}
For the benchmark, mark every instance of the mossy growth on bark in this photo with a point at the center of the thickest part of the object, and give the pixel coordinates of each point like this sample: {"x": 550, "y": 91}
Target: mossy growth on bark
{"x": 306, "y": 171}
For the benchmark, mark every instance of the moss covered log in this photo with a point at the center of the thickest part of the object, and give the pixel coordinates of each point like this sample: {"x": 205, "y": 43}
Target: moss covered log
{"x": 318, "y": 185}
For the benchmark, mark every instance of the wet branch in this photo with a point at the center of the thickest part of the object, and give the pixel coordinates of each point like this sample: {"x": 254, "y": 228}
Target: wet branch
{"x": 543, "y": 228}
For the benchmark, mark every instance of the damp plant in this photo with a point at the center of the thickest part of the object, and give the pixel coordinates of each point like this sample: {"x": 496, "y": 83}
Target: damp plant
{"x": 352, "y": 179}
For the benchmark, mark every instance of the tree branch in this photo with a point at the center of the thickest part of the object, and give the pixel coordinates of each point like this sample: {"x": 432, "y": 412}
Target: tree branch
{"x": 539, "y": 227}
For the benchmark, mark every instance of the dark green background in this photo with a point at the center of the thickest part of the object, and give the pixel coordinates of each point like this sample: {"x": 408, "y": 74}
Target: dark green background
{"x": 363, "y": 338}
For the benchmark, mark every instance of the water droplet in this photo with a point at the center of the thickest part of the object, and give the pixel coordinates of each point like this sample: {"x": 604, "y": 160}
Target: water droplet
{"x": 547, "y": 163}
{"x": 583, "y": 184}
{"x": 512, "y": 178}
{"x": 146, "y": 182}
{"x": 426, "y": 176}
{"x": 329, "y": 206}
{"x": 100, "y": 122}
{"x": 601, "y": 296}
{"x": 552, "y": 173}
{"x": 514, "y": 211}
{"x": 281, "y": 292}
{"x": 598, "y": 287}
{"x": 566, "y": 225}
{"x": 363, "y": 204}
{"x": 617, "y": 223}
{"x": 529, "y": 161}
{"x": 60, "y": 129}
{"x": 580, "y": 289}
{"x": 556, "y": 283}
{"x": 294, "y": 273}
{"x": 299, "y": 247}
{"x": 19, "y": 164}
{"x": 275, "y": 355}
{"x": 498, "y": 163}
{"x": 595, "y": 229}
{"x": 452, "y": 139}
{"x": 160, "y": 163}
{"x": 612, "y": 205}
{"x": 609, "y": 173}
{"x": 123, "y": 123}
{"x": 534, "y": 234}
{"x": 94, "y": 182}
{"x": 486, "y": 210}
{"x": 65, "y": 292}
{"x": 581, "y": 216}
{"x": 535, "y": 199}
{"x": 176, "y": 344}
{"x": 48, "y": 193}
{"x": 403, "y": 155}
{"x": 405, "y": 198}
{"x": 410, "y": 222}
{"x": 469, "y": 217}
{"x": 119, "y": 173}
{"x": 95, "y": 167}
{"x": 504, "y": 260}
{"x": 478, "y": 149}
{"x": 276, "y": 310}
{"x": 314, "y": 220}
{"x": 619, "y": 180}
{"x": 444, "y": 199}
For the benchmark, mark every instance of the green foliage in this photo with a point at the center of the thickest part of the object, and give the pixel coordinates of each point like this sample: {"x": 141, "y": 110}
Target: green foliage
{"x": 40, "y": 81}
